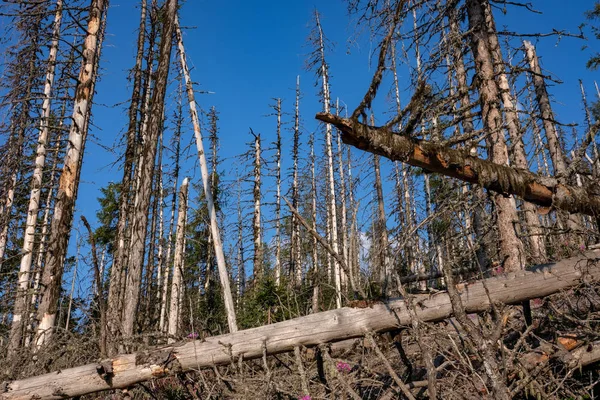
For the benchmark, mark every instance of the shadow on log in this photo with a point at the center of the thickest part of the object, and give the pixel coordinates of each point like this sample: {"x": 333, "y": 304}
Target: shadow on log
{"x": 330, "y": 326}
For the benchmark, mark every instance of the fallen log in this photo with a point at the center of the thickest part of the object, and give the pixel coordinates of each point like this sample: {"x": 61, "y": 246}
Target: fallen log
{"x": 126, "y": 370}
{"x": 540, "y": 190}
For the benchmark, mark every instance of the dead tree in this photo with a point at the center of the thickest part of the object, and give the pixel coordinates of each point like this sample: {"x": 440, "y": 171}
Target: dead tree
{"x": 69, "y": 177}
{"x": 177, "y": 285}
{"x": 323, "y": 72}
{"x": 541, "y": 190}
{"x": 256, "y": 221}
{"x": 139, "y": 220}
{"x": 214, "y": 226}
{"x": 22, "y": 297}
{"x": 119, "y": 258}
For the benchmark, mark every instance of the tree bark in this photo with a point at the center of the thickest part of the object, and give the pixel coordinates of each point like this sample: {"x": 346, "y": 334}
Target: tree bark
{"x": 515, "y": 132}
{"x": 120, "y": 258}
{"x": 295, "y": 264}
{"x": 256, "y": 222}
{"x": 332, "y": 210}
{"x": 512, "y": 255}
{"x": 343, "y": 211}
{"x": 330, "y": 326}
{"x": 139, "y": 223}
{"x": 178, "y": 264}
{"x": 20, "y": 307}
{"x": 556, "y": 152}
{"x": 278, "y": 195}
{"x": 381, "y": 233}
{"x": 540, "y": 190}
{"x": 69, "y": 177}
{"x": 215, "y": 234}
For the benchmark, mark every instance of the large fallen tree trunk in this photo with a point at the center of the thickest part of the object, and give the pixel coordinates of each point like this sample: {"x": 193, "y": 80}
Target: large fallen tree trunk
{"x": 330, "y": 326}
{"x": 540, "y": 190}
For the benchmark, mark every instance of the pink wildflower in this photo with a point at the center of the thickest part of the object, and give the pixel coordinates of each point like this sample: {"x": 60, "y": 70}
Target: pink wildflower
{"x": 343, "y": 367}
{"x": 193, "y": 335}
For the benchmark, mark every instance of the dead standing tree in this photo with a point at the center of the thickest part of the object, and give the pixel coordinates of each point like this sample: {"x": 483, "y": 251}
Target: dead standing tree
{"x": 69, "y": 177}
{"x": 208, "y": 191}
{"x": 145, "y": 173}
{"x": 19, "y": 322}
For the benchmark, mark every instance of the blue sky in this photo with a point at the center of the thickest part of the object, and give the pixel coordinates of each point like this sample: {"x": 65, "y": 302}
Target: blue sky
{"x": 249, "y": 52}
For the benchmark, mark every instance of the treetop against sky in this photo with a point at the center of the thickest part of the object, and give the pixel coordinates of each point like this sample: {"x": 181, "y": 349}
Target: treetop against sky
{"x": 243, "y": 54}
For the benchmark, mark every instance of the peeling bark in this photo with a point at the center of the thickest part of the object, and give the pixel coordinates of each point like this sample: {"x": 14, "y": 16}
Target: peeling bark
{"x": 16, "y": 332}
{"x": 69, "y": 177}
{"x": 502, "y": 179}
{"x": 178, "y": 264}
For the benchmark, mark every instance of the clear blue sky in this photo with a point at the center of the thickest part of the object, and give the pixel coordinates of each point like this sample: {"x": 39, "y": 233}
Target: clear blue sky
{"x": 248, "y": 52}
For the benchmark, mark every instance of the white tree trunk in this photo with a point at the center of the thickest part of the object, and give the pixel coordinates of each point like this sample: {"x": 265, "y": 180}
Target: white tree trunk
{"x": 295, "y": 263}
{"x": 216, "y": 236}
{"x": 178, "y": 264}
{"x": 69, "y": 177}
{"x": 332, "y": 212}
{"x": 315, "y": 255}
{"x": 256, "y": 223}
{"x": 343, "y": 211}
{"x": 16, "y": 332}
{"x": 278, "y": 196}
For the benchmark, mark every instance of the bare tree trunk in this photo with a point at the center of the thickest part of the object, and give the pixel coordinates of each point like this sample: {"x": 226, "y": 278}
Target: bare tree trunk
{"x": 511, "y": 249}
{"x": 39, "y": 262}
{"x": 20, "y": 306}
{"x": 278, "y": 196}
{"x": 256, "y": 222}
{"x": 295, "y": 267}
{"x": 556, "y": 153}
{"x": 467, "y": 123}
{"x": 23, "y": 75}
{"x": 544, "y": 191}
{"x": 241, "y": 272}
{"x": 139, "y": 222}
{"x": 7, "y": 209}
{"x": 315, "y": 256}
{"x": 216, "y": 236}
{"x": 332, "y": 211}
{"x": 165, "y": 289}
{"x": 178, "y": 264}
{"x": 343, "y": 211}
{"x": 69, "y": 177}
{"x": 380, "y": 233}
{"x": 403, "y": 185}
{"x": 120, "y": 257}
{"x": 515, "y": 132}
{"x": 160, "y": 257}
